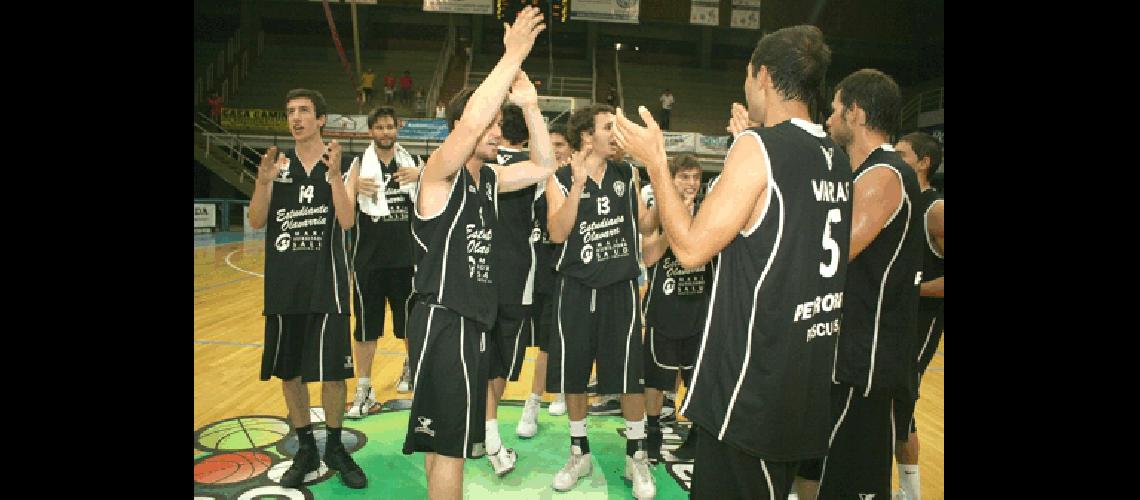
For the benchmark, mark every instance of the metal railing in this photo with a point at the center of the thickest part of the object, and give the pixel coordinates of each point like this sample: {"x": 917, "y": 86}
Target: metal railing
{"x": 229, "y": 69}
{"x": 594, "y": 74}
{"x": 441, "y": 66}
{"x": 571, "y": 86}
{"x": 930, "y": 100}
{"x": 617, "y": 77}
{"x": 231, "y": 143}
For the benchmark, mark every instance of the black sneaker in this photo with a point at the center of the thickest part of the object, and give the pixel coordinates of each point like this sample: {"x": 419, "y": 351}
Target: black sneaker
{"x": 338, "y": 459}
{"x": 688, "y": 449}
{"x": 609, "y": 405}
{"x": 653, "y": 440}
{"x": 307, "y": 460}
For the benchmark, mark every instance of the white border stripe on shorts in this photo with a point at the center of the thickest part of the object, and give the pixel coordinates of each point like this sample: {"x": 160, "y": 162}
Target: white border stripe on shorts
{"x": 321, "y": 351}
{"x": 277, "y": 350}
{"x": 515, "y": 351}
{"x": 423, "y": 349}
{"x": 561, "y": 338}
{"x": 653, "y": 354}
{"x": 467, "y": 388}
{"x": 768, "y": 477}
{"x": 628, "y": 338}
{"x": 774, "y": 190}
{"x": 823, "y": 470}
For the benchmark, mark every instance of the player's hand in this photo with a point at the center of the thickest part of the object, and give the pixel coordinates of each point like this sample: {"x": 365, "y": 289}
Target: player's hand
{"x": 578, "y": 164}
{"x": 332, "y": 159}
{"x": 523, "y": 93}
{"x": 518, "y": 38}
{"x": 367, "y": 186}
{"x": 405, "y": 175}
{"x": 267, "y": 169}
{"x": 645, "y": 144}
{"x": 739, "y": 120}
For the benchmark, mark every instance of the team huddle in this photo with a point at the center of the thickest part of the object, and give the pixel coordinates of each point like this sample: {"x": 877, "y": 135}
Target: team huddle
{"x": 798, "y": 297}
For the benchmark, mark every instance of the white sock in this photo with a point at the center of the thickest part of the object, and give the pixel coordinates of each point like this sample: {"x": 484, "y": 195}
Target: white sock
{"x": 908, "y": 480}
{"x": 534, "y": 397}
{"x": 364, "y": 381}
{"x": 578, "y": 428}
{"x": 635, "y": 429}
{"x": 493, "y": 441}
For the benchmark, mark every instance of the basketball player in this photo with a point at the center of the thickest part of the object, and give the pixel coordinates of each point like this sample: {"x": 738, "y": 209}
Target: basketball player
{"x": 453, "y": 226}
{"x": 923, "y": 153}
{"x": 306, "y": 282}
{"x": 875, "y": 361}
{"x": 675, "y": 307}
{"x": 596, "y": 213}
{"x": 780, "y": 220}
{"x": 544, "y": 278}
{"x": 382, "y": 250}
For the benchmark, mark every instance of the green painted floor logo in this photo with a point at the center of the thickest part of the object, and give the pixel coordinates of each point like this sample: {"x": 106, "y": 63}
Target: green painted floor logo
{"x": 243, "y": 458}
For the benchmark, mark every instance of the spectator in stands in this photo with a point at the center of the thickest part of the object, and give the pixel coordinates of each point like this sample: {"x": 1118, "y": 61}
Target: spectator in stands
{"x": 421, "y": 103}
{"x": 406, "y": 87}
{"x": 366, "y": 83}
{"x": 666, "y": 108}
{"x": 441, "y": 110}
{"x": 389, "y": 88}
{"x": 215, "y": 102}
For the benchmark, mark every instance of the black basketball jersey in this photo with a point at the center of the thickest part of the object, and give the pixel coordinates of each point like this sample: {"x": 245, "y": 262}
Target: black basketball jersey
{"x": 453, "y": 248}
{"x": 514, "y": 257}
{"x": 385, "y": 242}
{"x": 306, "y": 267}
{"x": 602, "y": 247}
{"x": 933, "y": 263}
{"x": 677, "y": 298}
{"x": 878, "y": 349}
{"x": 762, "y": 381}
{"x": 545, "y": 250}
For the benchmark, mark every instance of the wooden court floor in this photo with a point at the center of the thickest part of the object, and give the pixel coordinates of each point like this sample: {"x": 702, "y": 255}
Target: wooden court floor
{"x": 229, "y": 330}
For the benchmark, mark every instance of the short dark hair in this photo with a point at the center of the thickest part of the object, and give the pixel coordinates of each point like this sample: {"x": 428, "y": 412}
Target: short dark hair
{"x": 683, "y": 162}
{"x": 925, "y": 146}
{"x": 878, "y": 95}
{"x": 560, "y": 130}
{"x": 514, "y": 124}
{"x": 456, "y": 104}
{"x": 583, "y": 121}
{"x": 320, "y": 106}
{"x": 375, "y": 114}
{"x": 797, "y": 59}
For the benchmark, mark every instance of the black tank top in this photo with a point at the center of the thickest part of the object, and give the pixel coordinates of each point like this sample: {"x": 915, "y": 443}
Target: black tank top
{"x": 602, "y": 248}
{"x": 306, "y": 268}
{"x": 676, "y": 301}
{"x": 545, "y": 250}
{"x": 385, "y": 242}
{"x": 514, "y": 257}
{"x": 879, "y": 346}
{"x": 762, "y": 381}
{"x": 453, "y": 249}
{"x": 933, "y": 262}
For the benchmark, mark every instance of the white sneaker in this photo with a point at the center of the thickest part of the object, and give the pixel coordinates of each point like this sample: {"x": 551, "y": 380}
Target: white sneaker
{"x": 405, "y": 383}
{"x": 558, "y": 407}
{"x": 528, "y": 423}
{"x": 503, "y": 461}
{"x": 361, "y": 402}
{"x": 577, "y": 467}
{"x": 637, "y": 471}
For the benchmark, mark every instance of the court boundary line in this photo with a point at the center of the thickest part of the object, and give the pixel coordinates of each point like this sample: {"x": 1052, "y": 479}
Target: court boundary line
{"x": 231, "y": 264}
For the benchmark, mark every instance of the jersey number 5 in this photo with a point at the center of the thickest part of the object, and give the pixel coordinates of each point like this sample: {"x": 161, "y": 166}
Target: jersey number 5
{"x": 829, "y": 244}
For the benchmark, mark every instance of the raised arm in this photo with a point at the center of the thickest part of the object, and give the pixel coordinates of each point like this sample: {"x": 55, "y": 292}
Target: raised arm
{"x": 695, "y": 240}
{"x": 562, "y": 208}
{"x": 485, "y": 101}
{"x": 541, "y": 163}
{"x": 263, "y": 188}
{"x": 877, "y": 195}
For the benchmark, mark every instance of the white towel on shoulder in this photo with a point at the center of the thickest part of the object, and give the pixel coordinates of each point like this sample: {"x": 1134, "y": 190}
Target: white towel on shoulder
{"x": 370, "y": 167}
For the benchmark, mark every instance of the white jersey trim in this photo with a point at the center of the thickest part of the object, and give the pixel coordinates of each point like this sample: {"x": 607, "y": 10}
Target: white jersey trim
{"x": 629, "y": 336}
{"x": 882, "y": 287}
{"x": 653, "y": 354}
{"x": 811, "y": 128}
{"x": 771, "y": 181}
{"x": 926, "y": 229}
{"x": 450, "y": 232}
{"x": 420, "y": 185}
{"x": 704, "y": 341}
{"x": 561, "y": 338}
{"x": 768, "y": 477}
{"x": 755, "y": 298}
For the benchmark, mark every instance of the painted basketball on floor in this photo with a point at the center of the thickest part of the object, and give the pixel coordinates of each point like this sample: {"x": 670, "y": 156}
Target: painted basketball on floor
{"x": 231, "y": 467}
{"x": 242, "y": 433}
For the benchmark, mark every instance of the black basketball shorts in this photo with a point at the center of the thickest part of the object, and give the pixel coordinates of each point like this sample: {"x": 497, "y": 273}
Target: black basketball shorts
{"x": 446, "y": 354}
{"x": 858, "y": 462}
{"x": 664, "y": 356}
{"x": 508, "y": 340}
{"x": 722, "y": 472}
{"x": 372, "y": 287}
{"x": 314, "y": 346}
{"x": 595, "y": 324}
